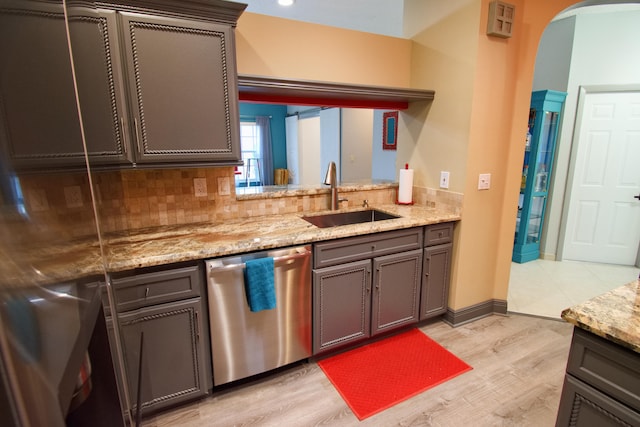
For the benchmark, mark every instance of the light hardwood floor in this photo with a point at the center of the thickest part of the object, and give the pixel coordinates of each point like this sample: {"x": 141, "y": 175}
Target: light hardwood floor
{"x": 518, "y": 367}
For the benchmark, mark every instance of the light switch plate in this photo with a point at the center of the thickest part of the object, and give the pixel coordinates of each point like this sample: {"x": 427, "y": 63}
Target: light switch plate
{"x": 200, "y": 187}
{"x": 484, "y": 181}
{"x": 444, "y": 179}
{"x": 224, "y": 189}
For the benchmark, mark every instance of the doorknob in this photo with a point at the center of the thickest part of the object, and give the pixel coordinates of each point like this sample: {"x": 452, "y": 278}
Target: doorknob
{"x": 637, "y": 197}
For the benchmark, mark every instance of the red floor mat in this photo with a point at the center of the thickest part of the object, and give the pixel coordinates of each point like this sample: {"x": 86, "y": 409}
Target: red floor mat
{"x": 376, "y": 376}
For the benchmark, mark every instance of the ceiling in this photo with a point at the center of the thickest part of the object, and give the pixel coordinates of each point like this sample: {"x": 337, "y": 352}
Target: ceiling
{"x": 371, "y": 16}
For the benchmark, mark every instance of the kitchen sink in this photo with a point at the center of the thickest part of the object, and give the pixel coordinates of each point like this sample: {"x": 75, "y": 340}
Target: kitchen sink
{"x": 347, "y": 218}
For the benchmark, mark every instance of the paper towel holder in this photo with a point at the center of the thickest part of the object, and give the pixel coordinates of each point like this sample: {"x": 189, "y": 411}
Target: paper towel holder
{"x": 398, "y": 202}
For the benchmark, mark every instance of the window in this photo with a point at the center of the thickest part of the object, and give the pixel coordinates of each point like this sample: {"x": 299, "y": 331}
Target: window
{"x": 249, "y": 174}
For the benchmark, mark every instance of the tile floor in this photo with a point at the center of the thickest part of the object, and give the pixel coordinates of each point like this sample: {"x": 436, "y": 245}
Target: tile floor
{"x": 545, "y": 288}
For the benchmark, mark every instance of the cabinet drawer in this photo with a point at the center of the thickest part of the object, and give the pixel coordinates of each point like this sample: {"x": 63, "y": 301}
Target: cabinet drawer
{"x": 609, "y": 367}
{"x": 356, "y": 248}
{"x": 147, "y": 289}
{"x": 584, "y": 406}
{"x": 438, "y": 234}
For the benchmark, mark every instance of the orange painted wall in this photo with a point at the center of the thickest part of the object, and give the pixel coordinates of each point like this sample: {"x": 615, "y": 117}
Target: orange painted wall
{"x": 277, "y": 47}
{"x": 502, "y": 92}
{"x": 476, "y": 124}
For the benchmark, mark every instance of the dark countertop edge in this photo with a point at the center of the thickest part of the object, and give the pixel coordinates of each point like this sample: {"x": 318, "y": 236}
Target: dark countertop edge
{"x": 609, "y": 337}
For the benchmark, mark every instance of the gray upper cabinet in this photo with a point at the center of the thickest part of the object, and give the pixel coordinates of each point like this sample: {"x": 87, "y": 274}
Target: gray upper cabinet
{"x": 38, "y": 112}
{"x": 156, "y": 83}
{"x": 181, "y": 81}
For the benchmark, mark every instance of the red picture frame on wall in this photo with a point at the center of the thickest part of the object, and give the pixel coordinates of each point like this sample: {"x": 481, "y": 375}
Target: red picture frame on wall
{"x": 390, "y": 130}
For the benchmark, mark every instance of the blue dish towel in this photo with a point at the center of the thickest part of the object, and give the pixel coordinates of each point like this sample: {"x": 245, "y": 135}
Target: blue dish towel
{"x": 259, "y": 284}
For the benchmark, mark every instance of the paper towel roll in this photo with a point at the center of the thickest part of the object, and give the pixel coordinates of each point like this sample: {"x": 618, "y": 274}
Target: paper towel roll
{"x": 405, "y": 186}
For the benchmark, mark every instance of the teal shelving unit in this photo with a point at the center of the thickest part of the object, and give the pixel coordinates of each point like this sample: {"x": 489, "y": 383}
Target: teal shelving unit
{"x": 540, "y": 147}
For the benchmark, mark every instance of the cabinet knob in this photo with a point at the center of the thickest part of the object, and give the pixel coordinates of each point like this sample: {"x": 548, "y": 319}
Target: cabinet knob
{"x": 373, "y": 247}
{"x": 146, "y": 292}
{"x": 440, "y": 234}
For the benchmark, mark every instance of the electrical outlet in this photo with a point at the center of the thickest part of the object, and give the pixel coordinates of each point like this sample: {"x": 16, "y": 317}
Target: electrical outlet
{"x": 200, "y": 187}
{"x": 38, "y": 200}
{"x": 73, "y": 196}
{"x": 484, "y": 181}
{"x": 224, "y": 188}
{"x": 444, "y": 179}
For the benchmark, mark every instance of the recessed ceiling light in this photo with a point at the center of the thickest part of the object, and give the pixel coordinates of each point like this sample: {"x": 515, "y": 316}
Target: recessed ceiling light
{"x": 285, "y": 2}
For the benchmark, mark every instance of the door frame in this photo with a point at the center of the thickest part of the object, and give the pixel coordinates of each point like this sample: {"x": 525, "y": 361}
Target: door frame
{"x": 583, "y": 91}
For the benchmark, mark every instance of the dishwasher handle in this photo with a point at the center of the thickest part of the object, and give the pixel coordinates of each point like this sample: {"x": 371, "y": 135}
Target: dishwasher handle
{"x": 298, "y": 255}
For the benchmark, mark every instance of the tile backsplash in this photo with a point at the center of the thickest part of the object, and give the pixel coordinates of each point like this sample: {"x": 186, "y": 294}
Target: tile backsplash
{"x": 129, "y": 200}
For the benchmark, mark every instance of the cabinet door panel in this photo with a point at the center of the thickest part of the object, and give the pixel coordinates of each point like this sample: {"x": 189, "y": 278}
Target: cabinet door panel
{"x": 342, "y": 304}
{"x": 100, "y": 82}
{"x": 396, "y": 284}
{"x": 173, "y": 367}
{"x": 435, "y": 286}
{"x": 38, "y": 107}
{"x": 180, "y": 78}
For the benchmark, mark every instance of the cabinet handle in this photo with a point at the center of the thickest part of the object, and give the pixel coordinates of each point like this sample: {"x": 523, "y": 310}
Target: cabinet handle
{"x": 368, "y": 280}
{"x": 124, "y": 135}
{"x": 373, "y": 247}
{"x": 197, "y": 326}
{"x": 426, "y": 270}
{"x": 146, "y": 292}
{"x": 135, "y": 125}
{"x": 440, "y": 234}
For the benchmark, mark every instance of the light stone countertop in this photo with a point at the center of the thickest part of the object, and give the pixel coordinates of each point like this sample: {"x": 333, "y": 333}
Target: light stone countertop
{"x": 82, "y": 259}
{"x": 202, "y": 241}
{"x": 614, "y": 315}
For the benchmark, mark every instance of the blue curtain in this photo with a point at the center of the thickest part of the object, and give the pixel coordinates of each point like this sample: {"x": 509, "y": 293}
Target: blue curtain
{"x": 264, "y": 132}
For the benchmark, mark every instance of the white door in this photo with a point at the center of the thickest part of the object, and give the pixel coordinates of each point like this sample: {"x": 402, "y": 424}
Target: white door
{"x": 603, "y": 220}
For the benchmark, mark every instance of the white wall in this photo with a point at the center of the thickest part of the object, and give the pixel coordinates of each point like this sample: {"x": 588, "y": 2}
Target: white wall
{"x": 309, "y": 150}
{"x": 330, "y": 141}
{"x": 605, "y": 51}
{"x": 553, "y": 60}
{"x": 357, "y": 143}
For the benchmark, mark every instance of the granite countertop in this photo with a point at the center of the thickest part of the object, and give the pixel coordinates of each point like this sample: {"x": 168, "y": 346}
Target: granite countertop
{"x": 81, "y": 258}
{"x": 614, "y": 315}
{"x": 168, "y": 245}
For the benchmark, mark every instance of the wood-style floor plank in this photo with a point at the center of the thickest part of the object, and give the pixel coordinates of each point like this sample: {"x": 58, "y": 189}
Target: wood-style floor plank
{"x": 518, "y": 368}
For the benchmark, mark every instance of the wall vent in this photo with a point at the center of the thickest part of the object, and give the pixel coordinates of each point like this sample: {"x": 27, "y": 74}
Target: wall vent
{"x": 500, "y": 23}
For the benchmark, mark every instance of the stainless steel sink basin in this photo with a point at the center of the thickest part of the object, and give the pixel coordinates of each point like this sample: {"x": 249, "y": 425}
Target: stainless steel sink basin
{"x": 347, "y": 218}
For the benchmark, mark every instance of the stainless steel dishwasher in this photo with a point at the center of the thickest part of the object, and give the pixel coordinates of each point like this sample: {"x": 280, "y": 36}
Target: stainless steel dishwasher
{"x": 245, "y": 343}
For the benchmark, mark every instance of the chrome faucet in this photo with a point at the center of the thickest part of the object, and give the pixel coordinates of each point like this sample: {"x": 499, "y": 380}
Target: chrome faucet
{"x": 330, "y": 179}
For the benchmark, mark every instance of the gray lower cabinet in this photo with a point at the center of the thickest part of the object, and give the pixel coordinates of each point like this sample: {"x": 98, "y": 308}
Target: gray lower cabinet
{"x": 369, "y": 295}
{"x": 342, "y": 304}
{"x": 436, "y": 270}
{"x": 396, "y": 290}
{"x": 173, "y": 365}
{"x": 163, "y": 309}
{"x": 602, "y": 384}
